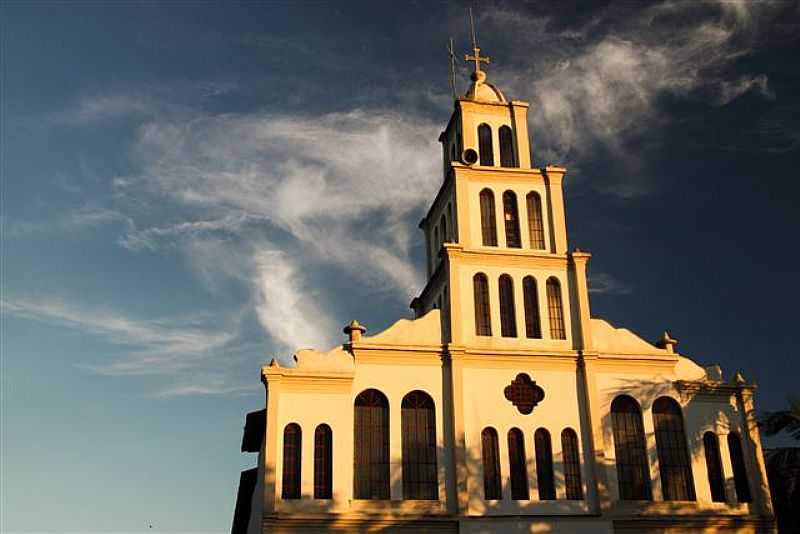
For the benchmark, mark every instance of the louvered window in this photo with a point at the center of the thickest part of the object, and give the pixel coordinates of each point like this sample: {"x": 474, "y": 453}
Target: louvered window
{"x": 716, "y": 480}
{"x": 535, "y": 222}
{"x": 371, "y": 446}
{"x": 491, "y": 465}
{"x": 518, "y": 465}
{"x": 572, "y": 464}
{"x": 292, "y": 445}
{"x": 485, "y": 145}
{"x": 544, "y": 465}
{"x": 323, "y": 462}
{"x": 508, "y": 320}
{"x": 533, "y": 326}
{"x": 739, "y": 468}
{"x": 556, "y": 309}
{"x": 633, "y": 470}
{"x": 674, "y": 465}
{"x": 418, "y": 423}
{"x": 483, "y": 324}
{"x": 488, "y": 220}
{"x": 511, "y": 219}
{"x": 506, "y": 147}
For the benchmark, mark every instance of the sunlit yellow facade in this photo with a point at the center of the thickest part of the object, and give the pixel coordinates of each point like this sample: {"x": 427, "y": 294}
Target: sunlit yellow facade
{"x": 467, "y": 349}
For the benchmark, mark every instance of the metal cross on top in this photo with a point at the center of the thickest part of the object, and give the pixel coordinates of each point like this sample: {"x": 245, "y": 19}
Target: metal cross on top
{"x": 476, "y": 51}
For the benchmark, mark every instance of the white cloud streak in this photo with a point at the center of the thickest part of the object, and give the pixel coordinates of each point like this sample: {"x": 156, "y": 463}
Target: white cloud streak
{"x": 283, "y": 305}
{"x": 340, "y": 184}
{"x": 596, "y": 88}
{"x": 161, "y": 346}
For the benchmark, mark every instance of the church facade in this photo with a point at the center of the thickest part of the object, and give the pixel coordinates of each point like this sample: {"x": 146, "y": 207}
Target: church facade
{"x": 504, "y": 406}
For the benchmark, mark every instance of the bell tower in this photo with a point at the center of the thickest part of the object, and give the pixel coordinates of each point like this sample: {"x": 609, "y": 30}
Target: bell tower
{"x": 498, "y": 267}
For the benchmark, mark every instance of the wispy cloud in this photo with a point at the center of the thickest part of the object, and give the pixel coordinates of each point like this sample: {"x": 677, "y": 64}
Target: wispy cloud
{"x": 283, "y": 305}
{"x": 81, "y": 219}
{"x": 606, "y": 284}
{"x": 160, "y": 346}
{"x": 96, "y": 108}
{"x": 207, "y": 389}
{"x": 339, "y": 184}
{"x": 597, "y": 86}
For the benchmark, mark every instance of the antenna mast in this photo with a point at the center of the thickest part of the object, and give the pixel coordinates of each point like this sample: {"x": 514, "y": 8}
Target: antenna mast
{"x": 452, "y": 68}
{"x": 472, "y": 29}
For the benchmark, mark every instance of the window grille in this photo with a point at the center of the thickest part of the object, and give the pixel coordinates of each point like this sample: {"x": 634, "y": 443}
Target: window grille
{"x": 491, "y": 465}
{"x": 511, "y": 219}
{"x": 371, "y": 446}
{"x": 674, "y": 465}
{"x": 633, "y": 469}
{"x": 483, "y": 323}
{"x": 323, "y": 462}
{"x": 555, "y": 307}
{"x": 572, "y": 464}
{"x": 535, "y": 222}
{"x": 518, "y": 465}
{"x": 533, "y": 325}
{"x": 544, "y": 465}
{"x": 508, "y": 319}
{"x": 418, "y": 421}
{"x": 716, "y": 480}
{"x": 739, "y": 468}
{"x": 488, "y": 221}
{"x": 292, "y": 445}
{"x": 506, "y": 147}
{"x": 485, "y": 145}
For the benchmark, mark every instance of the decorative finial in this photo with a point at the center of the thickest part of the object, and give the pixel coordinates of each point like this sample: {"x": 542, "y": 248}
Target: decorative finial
{"x": 274, "y": 363}
{"x": 738, "y": 379}
{"x": 667, "y": 342}
{"x": 354, "y": 330}
{"x": 477, "y": 75}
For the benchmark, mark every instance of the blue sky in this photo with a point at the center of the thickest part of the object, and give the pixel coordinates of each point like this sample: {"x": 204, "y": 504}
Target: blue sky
{"x": 189, "y": 190}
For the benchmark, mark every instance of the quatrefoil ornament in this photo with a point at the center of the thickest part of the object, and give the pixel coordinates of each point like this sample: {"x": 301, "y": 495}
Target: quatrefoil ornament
{"x": 524, "y": 393}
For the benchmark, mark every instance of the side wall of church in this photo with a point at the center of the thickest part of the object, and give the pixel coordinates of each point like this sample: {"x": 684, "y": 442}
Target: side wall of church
{"x": 720, "y": 414}
{"x": 310, "y": 403}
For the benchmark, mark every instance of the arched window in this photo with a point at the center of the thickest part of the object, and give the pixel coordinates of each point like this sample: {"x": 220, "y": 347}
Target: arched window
{"x": 488, "y": 221}
{"x": 418, "y": 422}
{"x": 323, "y": 462}
{"x": 533, "y": 326}
{"x": 544, "y": 465}
{"x": 443, "y": 226}
{"x": 483, "y": 322}
{"x": 673, "y": 455}
{"x": 371, "y": 446}
{"x": 633, "y": 470}
{"x": 572, "y": 464}
{"x": 555, "y": 309}
{"x": 518, "y": 465}
{"x": 491, "y": 465}
{"x": 506, "y": 147}
{"x": 453, "y": 237}
{"x": 485, "y": 145}
{"x": 739, "y": 468}
{"x": 716, "y": 480}
{"x": 508, "y": 319}
{"x": 511, "y": 218}
{"x": 292, "y": 445}
{"x": 535, "y": 224}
